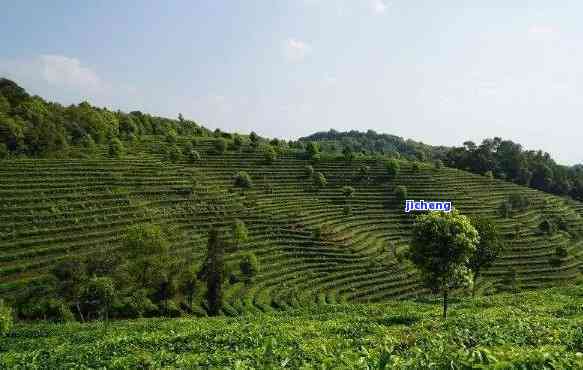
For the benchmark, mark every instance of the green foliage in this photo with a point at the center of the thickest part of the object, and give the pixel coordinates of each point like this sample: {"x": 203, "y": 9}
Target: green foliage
{"x": 312, "y": 150}
{"x": 220, "y": 145}
{"x": 319, "y": 180}
{"x": 527, "y": 331}
{"x": 392, "y": 167}
{"x": 347, "y": 191}
{"x": 309, "y": 171}
{"x": 188, "y": 285}
{"x": 243, "y": 180}
{"x": 240, "y": 233}
{"x": 488, "y": 248}
{"x": 173, "y": 154}
{"x": 116, "y": 148}
{"x": 269, "y": 154}
{"x": 3, "y": 151}
{"x": 249, "y": 266}
{"x": 6, "y": 319}
{"x": 441, "y": 248}
{"x": 438, "y": 164}
{"x": 98, "y": 295}
{"x": 348, "y": 153}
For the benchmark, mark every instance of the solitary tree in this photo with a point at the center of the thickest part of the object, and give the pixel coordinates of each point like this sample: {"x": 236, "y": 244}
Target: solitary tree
{"x": 147, "y": 249}
{"x": 441, "y": 248}
{"x": 312, "y": 150}
{"x": 487, "y": 250}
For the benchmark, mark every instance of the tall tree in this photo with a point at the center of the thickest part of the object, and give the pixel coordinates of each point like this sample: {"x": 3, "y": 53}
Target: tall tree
{"x": 441, "y": 247}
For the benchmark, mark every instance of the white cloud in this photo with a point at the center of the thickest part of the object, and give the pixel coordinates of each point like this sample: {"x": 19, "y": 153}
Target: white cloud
{"x": 379, "y": 6}
{"x": 541, "y": 30}
{"x": 295, "y": 50}
{"x": 62, "y": 71}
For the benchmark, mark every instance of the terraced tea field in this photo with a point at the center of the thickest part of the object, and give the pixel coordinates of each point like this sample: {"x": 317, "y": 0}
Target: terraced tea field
{"x": 50, "y": 209}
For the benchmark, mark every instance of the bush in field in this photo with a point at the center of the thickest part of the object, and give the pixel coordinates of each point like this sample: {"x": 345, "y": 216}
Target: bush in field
{"x": 319, "y": 180}
{"x": 220, "y": 145}
{"x": 415, "y": 167}
{"x": 312, "y": 150}
{"x": 240, "y": 233}
{"x": 173, "y": 154}
{"x": 441, "y": 248}
{"x": 438, "y": 164}
{"x": 249, "y": 266}
{"x": 309, "y": 171}
{"x": 188, "y": 285}
{"x": 243, "y": 180}
{"x": 348, "y": 153}
{"x": 3, "y": 151}
{"x": 347, "y": 192}
{"x": 116, "y": 148}
{"x": 364, "y": 172}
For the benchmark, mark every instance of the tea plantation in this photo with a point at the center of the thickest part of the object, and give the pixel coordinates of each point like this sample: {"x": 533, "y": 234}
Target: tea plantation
{"x": 537, "y": 329}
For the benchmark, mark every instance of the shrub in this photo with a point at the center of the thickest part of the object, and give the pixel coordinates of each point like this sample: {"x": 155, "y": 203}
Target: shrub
{"x": 489, "y": 175}
{"x": 243, "y": 180}
{"x": 547, "y": 227}
{"x": 392, "y": 167}
{"x": 415, "y": 167}
{"x": 309, "y": 171}
{"x": 519, "y": 201}
{"x": 220, "y": 145}
{"x": 561, "y": 252}
{"x": 347, "y": 191}
{"x": 249, "y": 266}
{"x": 269, "y": 154}
{"x": 319, "y": 180}
{"x": 116, "y": 148}
{"x": 173, "y": 154}
{"x": 438, "y": 164}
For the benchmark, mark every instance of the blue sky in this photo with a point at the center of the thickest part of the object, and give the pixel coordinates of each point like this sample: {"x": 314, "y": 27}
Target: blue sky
{"x": 439, "y": 72}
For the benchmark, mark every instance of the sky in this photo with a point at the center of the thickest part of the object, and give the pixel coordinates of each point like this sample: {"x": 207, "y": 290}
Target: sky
{"x": 440, "y": 72}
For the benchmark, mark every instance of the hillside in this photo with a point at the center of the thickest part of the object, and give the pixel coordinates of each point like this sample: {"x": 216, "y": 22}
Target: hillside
{"x": 53, "y": 208}
{"x": 535, "y": 330}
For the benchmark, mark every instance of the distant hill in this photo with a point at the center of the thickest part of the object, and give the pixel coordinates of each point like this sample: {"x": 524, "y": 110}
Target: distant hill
{"x": 371, "y": 142}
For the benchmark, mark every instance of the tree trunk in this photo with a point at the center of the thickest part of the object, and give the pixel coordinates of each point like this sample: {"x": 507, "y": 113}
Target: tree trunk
{"x": 445, "y": 292}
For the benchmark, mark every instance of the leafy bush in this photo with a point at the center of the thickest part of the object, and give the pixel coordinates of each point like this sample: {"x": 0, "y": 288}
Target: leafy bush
{"x": 392, "y": 167}
{"x": 116, "y": 148}
{"x": 249, "y": 266}
{"x": 319, "y": 180}
{"x": 243, "y": 180}
{"x": 220, "y": 145}
{"x": 269, "y": 154}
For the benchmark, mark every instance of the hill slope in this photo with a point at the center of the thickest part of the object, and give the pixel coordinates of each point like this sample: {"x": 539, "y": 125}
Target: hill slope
{"x": 53, "y": 208}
